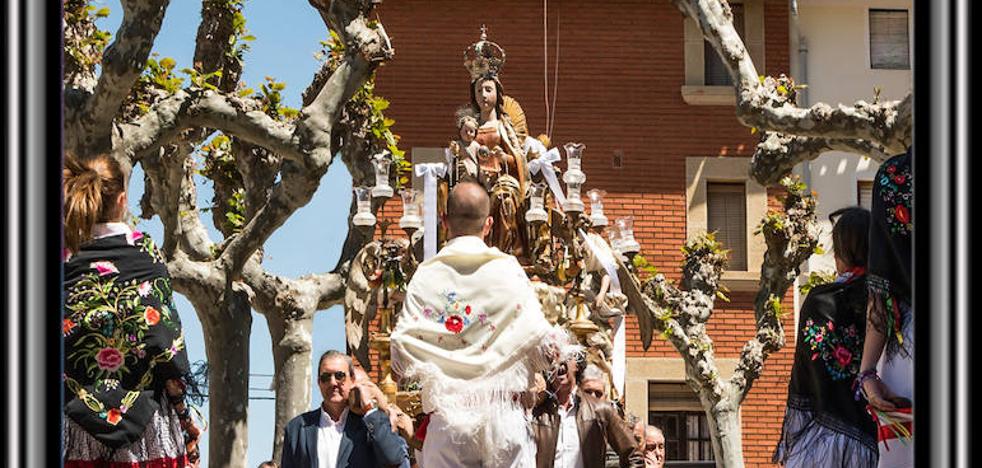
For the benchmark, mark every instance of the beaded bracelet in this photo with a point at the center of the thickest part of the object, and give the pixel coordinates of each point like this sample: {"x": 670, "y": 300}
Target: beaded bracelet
{"x": 863, "y": 377}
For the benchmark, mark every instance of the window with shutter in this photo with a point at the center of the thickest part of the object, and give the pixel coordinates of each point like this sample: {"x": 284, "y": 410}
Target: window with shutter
{"x": 889, "y": 39}
{"x": 865, "y": 191}
{"x": 726, "y": 212}
{"x": 715, "y": 72}
{"x": 687, "y": 440}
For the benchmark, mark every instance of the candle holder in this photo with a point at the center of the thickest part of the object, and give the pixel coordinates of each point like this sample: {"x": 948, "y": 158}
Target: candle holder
{"x": 614, "y": 237}
{"x": 412, "y": 218}
{"x": 574, "y": 177}
{"x": 597, "y": 207}
{"x": 536, "y": 212}
{"x": 382, "y": 163}
{"x": 582, "y": 326}
{"x": 364, "y": 216}
{"x": 628, "y": 246}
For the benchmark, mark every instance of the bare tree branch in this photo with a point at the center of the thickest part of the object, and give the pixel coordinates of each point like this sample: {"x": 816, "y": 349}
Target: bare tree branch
{"x": 791, "y": 237}
{"x": 777, "y": 153}
{"x": 122, "y": 64}
{"x": 185, "y": 109}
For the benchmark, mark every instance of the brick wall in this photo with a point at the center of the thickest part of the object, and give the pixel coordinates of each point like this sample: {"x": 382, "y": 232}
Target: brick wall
{"x": 620, "y": 72}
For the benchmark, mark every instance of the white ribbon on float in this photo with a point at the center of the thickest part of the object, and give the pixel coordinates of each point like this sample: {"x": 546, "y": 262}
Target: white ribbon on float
{"x": 429, "y": 172}
{"x": 544, "y": 163}
{"x": 606, "y": 260}
{"x": 618, "y": 368}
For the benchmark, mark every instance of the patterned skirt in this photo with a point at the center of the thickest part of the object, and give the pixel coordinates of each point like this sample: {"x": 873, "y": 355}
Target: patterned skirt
{"x": 162, "y": 445}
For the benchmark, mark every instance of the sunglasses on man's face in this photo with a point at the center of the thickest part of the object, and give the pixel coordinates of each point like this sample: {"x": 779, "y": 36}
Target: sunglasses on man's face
{"x": 338, "y": 375}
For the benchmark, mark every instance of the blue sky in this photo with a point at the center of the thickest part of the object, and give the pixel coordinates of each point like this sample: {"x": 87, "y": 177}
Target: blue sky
{"x": 287, "y": 34}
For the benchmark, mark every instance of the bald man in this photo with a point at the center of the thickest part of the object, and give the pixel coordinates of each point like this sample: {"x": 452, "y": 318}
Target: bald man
{"x": 472, "y": 333}
{"x": 654, "y": 447}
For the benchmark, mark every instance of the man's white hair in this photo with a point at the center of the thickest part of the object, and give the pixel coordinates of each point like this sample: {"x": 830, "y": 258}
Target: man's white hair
{"x": 652, "y": 431}
{"x": 592, "y": 372}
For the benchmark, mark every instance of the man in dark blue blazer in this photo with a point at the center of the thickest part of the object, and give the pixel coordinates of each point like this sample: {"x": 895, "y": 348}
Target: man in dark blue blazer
{"x": 343, "y": 432}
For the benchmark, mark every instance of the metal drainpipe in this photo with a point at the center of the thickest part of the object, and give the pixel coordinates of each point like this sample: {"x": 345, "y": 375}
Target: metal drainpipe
{"x": 801, "y": 76}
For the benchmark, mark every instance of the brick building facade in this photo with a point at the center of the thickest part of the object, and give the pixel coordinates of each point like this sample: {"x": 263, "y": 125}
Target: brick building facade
{"x": 634, "y": 86}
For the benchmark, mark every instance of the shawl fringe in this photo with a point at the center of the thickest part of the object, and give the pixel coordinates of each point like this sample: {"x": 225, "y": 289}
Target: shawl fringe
{"x": 810, "y": 439}
{"x": 485, "y": 412}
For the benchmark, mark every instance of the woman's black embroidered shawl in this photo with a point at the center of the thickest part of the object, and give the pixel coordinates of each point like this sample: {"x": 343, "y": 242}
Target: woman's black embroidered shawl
{"x": 889, "y": 269}
{"x": 829, "y": 348}
{"x": 123, "y": 336}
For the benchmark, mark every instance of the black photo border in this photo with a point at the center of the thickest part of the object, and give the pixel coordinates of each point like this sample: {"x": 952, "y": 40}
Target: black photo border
{"x": 32, "y": 234}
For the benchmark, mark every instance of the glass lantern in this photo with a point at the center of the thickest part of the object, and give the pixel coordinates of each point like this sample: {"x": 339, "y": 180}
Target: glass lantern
{"x": 628, "y": 245}
{"x": 597, "y": 217}
{"x": 382, "y": 188}
{"x": 574, "y": 177}
{"x": 537, "y": 212}
{"x": 364, "y": 216}
{"x": 411, "y": 210}
{"x": 574, "y": 203}
{"x": 614, "y": 237}
{"x": 574, "y": 158}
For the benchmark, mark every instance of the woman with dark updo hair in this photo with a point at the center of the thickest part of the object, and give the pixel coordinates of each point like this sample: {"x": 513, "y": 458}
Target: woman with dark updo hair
{"x": 824, "y": 424}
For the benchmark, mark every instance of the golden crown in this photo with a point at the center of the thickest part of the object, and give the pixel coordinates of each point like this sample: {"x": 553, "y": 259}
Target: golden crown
{"x": 484, "y": 58}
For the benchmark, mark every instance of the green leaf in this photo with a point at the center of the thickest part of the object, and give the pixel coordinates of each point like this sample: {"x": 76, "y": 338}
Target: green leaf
{"x": 102, "y": 12}
{"x": 168, "y": 63}
{"x": 248, "y": 37}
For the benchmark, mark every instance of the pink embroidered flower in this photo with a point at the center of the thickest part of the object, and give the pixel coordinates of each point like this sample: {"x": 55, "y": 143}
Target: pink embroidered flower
{"x": 454, "y": 324}
{"x": 482, "y": 317}
{"x": 842, "y": 355}
{"x": 137, "y": 235}
{"x": 151, "y": 316}
{"x": 900, "y": 179}
{"x": 467, "y": 310}
{"x": 66, "y": 254}
{"x": 109, "y": 359}
{"x": 104, "y": 267}
{"x": 114, "y": 416}
{"x": 831, "y": 326}
{"x": 891, "y": 169}
{"x": 144, "y": 289}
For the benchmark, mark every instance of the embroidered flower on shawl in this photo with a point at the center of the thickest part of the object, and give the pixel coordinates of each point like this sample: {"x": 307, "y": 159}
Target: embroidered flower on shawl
{"x": 144, "y": 289}
{"x": 109, "y": 359}
{"x": 104, "y": 267}
{"x": 67, "y": 326}
{"x": 454, "y": 324}
{"x": 114, "y": 416}
{"x": 455, "y": 315}
{"x": 838, "y": 349}
{"x": 151, "y": 316}
{"x": 895, "y": 192}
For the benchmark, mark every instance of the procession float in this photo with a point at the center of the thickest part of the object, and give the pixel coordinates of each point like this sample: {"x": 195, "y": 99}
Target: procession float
{"x": 581, "y": 263}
